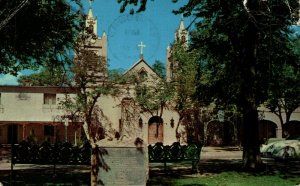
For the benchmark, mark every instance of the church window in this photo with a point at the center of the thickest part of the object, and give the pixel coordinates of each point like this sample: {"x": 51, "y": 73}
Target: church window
{"x": 49, "y": 99}
{"x": 183, "y": 39}
{"x": 143, "y": 74}
{"x": 90, "y": 29}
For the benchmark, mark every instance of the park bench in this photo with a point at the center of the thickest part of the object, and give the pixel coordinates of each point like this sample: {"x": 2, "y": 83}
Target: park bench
{"x": 50, "y": 154}
{"x": 160, "y": 153}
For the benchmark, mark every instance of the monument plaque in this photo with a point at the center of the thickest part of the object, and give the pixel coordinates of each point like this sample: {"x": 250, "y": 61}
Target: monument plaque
{"x": 128, "y": 166}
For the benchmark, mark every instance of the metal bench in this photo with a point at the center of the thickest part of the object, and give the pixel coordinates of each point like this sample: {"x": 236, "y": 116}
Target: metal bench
{"x": 50, "y": 154}
{"x": 159, "y": 153}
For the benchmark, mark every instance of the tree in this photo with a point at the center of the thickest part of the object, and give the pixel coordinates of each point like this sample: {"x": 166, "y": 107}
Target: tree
{"x": 91, "y": 83}
{"x": 177, "y": 94}
{"x": 153, "y": 96}
{"x": 83, "y": 105}
{"x": 284, "y": 91}
{"x": 125, "y": 3}
{"x": 233, "y": 37}
{"x": 7, "y": 16}
{"x": 35, "y": 33}
{"x": 159, "y": 68}
{"x": 152, "y": 93}
{"x": 184, "y": 79}
{"x": 240, "y": 74}
{"x": 47, "y": 76}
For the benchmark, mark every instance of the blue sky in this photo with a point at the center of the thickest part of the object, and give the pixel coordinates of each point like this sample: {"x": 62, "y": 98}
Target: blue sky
{"x": 155, "y": 28}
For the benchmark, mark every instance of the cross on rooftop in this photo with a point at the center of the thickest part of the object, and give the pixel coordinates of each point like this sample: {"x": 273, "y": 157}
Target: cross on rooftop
{"x": 141, "y": 46}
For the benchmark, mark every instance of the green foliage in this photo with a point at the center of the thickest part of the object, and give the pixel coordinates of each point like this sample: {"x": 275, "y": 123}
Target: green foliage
{"x": 90, "y": 82}
{"x": 159, "y": 68}
{"x": 115, "y": 73}
{"x": 47, "y": 76}
{"x": 154, "y": 96}
{"x": 239, "y": 46}
{"x": 38, "y": 34}
{"x": 125, "y": 3}
{"x": 117, "y": 76}
{"x": 221, "y": 38}
{"x": 284, "y": 88}
{"x": 184, "y": 77}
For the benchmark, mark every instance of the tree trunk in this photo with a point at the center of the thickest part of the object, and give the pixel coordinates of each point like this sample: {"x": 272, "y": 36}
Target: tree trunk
{"x": 251, "y": 144}
{"x": 94, "y": 166}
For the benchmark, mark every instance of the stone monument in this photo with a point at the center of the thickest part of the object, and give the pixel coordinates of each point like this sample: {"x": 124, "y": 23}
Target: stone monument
{"x": 127, "y": 158}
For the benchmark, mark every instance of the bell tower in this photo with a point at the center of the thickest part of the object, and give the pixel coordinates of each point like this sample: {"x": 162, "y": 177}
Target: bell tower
{"x": 181, "y": 34}
{"x": 182, "y": 38}
{"x": 91, "y": 21}
{"x": 97, "y": 63}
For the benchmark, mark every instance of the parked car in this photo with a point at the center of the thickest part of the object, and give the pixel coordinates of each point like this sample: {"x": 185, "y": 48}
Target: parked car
{"x": 281, "y": 149}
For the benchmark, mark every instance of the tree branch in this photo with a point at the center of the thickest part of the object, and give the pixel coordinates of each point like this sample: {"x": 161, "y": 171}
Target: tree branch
{"x": 11, "y": 15}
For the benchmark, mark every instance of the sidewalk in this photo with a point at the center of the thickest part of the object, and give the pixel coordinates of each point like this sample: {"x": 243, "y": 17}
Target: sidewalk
{"x": 209, "y": 158}
{"x": 221, "y": 153}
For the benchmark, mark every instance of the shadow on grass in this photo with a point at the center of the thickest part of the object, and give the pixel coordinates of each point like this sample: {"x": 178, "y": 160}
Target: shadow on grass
{"x": 41, "y": 177}
{"x": 284, "y": 169}
{"x": 209, "y": 167}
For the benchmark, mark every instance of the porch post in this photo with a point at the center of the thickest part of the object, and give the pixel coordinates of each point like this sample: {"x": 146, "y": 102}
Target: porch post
{"x": 66, "y": 129}
{"x": 75, "y": 140}
{"x": 23, "y": 131}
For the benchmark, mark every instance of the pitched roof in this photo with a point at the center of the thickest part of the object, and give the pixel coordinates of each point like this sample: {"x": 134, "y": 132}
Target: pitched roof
{"x": 141, "y": 64}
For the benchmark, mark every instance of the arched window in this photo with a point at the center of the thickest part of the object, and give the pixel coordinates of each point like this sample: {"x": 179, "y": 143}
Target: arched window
{"x": 143, "y": 74}
{"x": 183, "y": 39}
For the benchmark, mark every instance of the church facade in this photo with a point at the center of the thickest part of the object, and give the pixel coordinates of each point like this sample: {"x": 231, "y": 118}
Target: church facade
{"x": 35, "y": 112}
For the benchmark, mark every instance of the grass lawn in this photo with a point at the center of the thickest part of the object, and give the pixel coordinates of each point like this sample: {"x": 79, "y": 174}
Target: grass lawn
{"x": 227, "y": 173}
{"x": 228, "y": 179}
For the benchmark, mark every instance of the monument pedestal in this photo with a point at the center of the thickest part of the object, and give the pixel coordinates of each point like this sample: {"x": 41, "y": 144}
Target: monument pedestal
{"x": 128, "y": 166}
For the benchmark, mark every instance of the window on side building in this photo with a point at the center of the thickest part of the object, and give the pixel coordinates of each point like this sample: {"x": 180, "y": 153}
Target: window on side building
{"x": 49, "y": 99}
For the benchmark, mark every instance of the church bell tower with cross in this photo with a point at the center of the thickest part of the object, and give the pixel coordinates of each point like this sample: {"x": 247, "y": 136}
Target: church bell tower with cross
{"x": 97, "y": 69}
{"x": 181, "y": 37}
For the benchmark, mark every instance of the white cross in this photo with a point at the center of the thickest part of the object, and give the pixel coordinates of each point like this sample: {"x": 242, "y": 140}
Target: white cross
{"x": 142, "y": 46}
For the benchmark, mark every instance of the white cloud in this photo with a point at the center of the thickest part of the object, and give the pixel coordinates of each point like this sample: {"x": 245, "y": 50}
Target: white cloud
{"x": 8, "y": 79}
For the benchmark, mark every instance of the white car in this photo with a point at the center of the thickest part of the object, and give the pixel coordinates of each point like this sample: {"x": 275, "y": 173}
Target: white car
{"x": 284, "y": 149}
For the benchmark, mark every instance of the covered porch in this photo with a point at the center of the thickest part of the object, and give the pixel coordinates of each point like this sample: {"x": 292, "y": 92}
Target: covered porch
{"x": 38, "y": 132}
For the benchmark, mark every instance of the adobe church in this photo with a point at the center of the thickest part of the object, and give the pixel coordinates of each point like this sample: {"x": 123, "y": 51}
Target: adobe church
{"x": 29, "y": 112}
{"x": 34, "y": 112}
